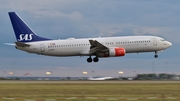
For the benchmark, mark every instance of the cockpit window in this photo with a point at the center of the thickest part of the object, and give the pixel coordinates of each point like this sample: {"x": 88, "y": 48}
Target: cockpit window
{"x": 162, "y": 39}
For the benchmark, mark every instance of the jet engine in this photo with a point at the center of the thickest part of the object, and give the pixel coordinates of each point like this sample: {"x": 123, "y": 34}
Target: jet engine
{"x": 113, "y": 52}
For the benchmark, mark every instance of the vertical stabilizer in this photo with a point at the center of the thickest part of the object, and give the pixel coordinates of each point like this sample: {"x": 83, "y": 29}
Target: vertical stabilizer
{"x": 22, "y": 31}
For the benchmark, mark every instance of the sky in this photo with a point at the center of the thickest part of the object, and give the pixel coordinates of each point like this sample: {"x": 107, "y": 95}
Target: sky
{"x": 61, "y": 19}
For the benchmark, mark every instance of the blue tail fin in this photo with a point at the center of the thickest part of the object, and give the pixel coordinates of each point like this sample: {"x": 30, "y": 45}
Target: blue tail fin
{"x": 22, "y": 31}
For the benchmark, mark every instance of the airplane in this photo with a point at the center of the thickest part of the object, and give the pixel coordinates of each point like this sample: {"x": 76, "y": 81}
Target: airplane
{"x": 101, "y": 47}
{"x": 101, "y": 78}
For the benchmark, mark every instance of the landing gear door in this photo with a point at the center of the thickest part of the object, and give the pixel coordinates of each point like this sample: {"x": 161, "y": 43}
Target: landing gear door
{"x": 155, "y": 41}
{"x": 42, "y": 48}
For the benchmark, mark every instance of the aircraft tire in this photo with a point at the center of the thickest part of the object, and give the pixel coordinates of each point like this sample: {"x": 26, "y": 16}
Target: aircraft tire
{"x": 96, "y": 59}
{"x": 89, "y": 60}
{"x": 156, "y": 56}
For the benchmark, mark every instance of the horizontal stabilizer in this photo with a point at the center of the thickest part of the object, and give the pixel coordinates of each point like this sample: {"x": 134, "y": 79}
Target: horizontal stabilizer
{"x": 21, "y": 44}
{"x": 11, "y": 44}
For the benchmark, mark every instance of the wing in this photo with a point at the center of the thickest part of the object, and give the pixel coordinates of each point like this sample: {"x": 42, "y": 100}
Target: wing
{"x": 97, "y": 46}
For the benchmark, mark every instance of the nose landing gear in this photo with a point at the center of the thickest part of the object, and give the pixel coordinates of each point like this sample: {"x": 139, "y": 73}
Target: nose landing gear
{"x": 156, "y": 56}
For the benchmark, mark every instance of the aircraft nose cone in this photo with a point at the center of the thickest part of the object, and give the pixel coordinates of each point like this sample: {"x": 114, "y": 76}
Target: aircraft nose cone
{"x": 169, "y": 44}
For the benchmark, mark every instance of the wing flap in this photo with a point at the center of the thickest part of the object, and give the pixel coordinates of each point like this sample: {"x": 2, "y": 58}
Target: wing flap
{"x": 93, "y": 50}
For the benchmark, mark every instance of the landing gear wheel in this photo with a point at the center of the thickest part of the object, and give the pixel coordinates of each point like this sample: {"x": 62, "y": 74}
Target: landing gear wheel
{"x": 89, "y": 59}
{"x": 156, "y": 56}
{"x": 96, "y": 59}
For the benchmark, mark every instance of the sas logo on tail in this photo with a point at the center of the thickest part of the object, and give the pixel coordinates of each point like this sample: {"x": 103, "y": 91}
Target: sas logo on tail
{"x": 26, "y": 37}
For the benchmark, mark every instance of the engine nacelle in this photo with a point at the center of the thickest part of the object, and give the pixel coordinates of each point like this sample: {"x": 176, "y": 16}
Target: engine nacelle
{"x": 117, "y": 52}
{"x": 113, "y": 52}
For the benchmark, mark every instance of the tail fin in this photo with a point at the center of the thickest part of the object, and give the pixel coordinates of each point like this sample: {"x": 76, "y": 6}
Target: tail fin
{"x": 22, "y": 31}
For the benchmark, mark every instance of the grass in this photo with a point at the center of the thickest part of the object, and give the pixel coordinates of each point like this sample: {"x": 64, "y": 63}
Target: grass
{"x": 91, "y": 91}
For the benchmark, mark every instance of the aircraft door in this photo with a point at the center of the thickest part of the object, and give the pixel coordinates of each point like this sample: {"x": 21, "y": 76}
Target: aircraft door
{"x": 42, "y": 48}
{"x": 155, "y": 41}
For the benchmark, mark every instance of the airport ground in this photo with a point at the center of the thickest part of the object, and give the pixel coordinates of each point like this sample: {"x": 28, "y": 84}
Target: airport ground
{"x": 89, "y": 90}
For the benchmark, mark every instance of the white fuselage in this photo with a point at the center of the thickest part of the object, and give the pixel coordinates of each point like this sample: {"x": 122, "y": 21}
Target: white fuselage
{"x": 81, "y": 47}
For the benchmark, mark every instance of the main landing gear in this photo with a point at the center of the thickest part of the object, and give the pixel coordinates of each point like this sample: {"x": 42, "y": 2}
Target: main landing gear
{"x": 156, "y": 56}
{"x": 95, "y": 59}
